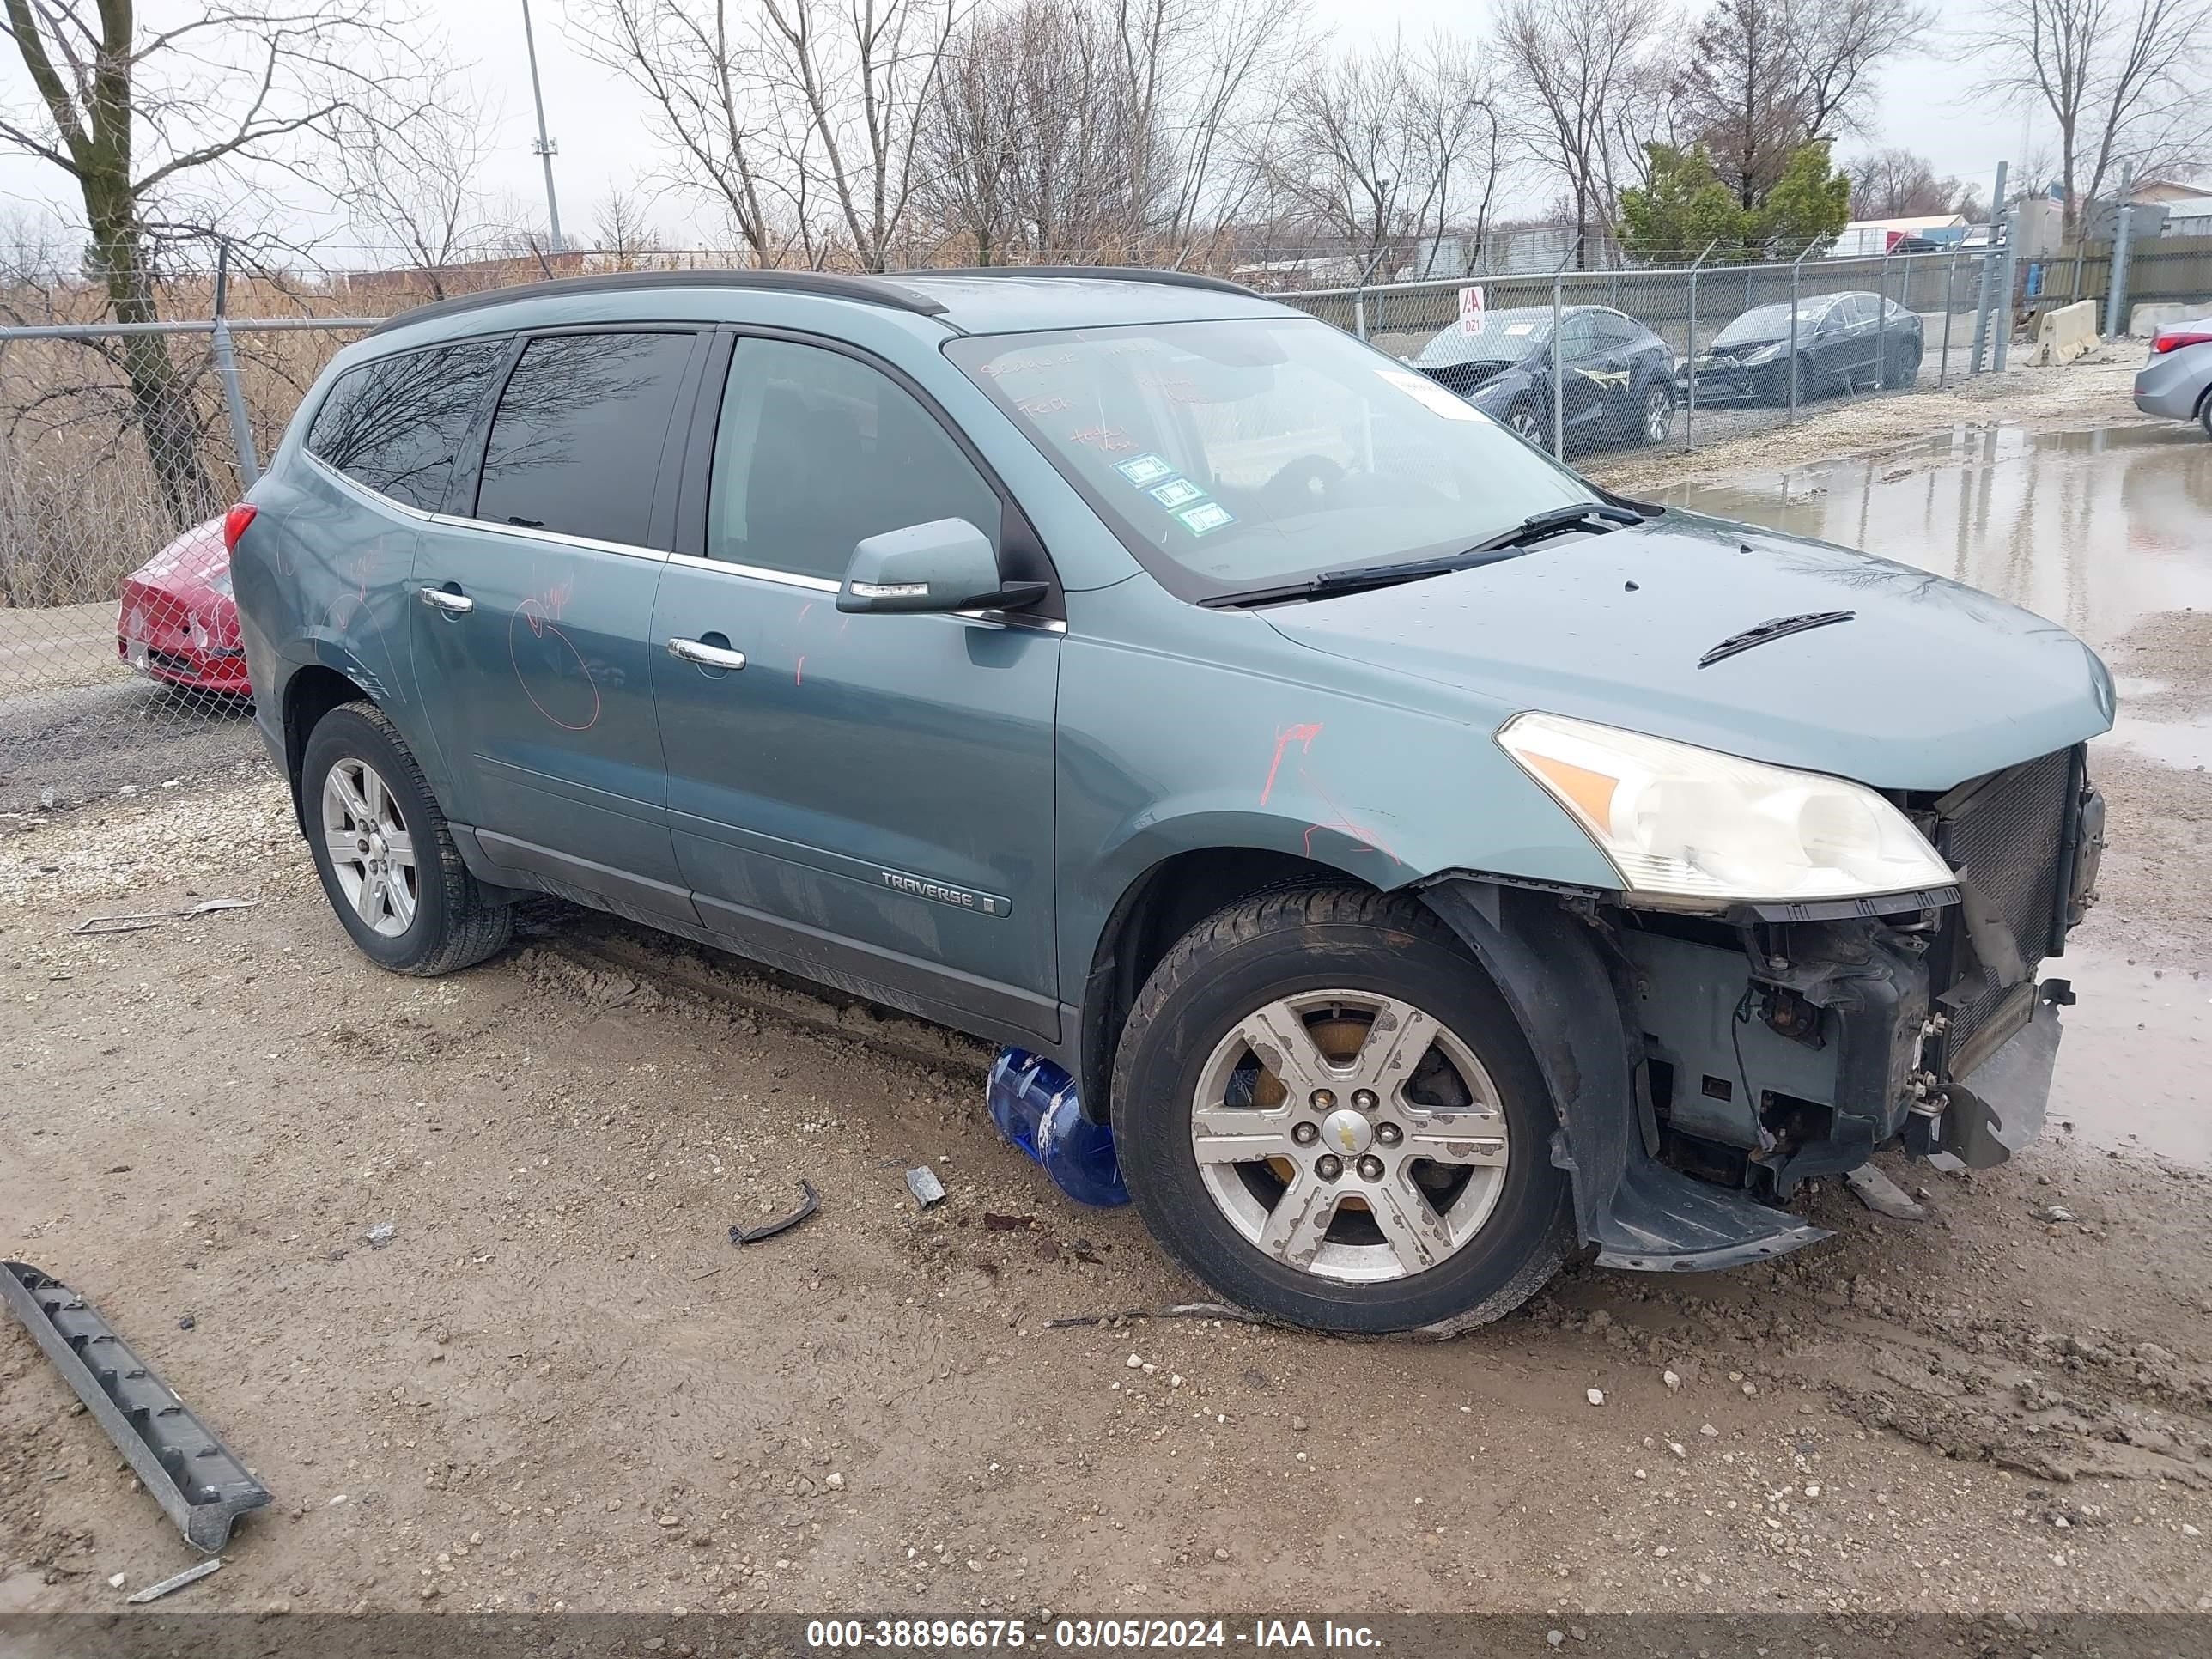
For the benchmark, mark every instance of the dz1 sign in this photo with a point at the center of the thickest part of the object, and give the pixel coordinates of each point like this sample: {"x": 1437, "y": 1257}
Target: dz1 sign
{"x": 1470, "y": 310}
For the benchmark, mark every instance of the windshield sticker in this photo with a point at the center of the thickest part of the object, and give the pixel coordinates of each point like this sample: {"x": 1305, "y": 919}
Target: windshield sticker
{"x": 1178, "y": 492}
{"x": 1423, "y": 389}
{"x": 1203, "y": 520}
{"x": 1145, "y": 470}
{"x": 1520, "y": 328}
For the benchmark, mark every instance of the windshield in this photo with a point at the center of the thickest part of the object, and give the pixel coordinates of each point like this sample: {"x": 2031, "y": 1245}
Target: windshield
{"x": 1771, "y": 322}
{"x": 1236, "y": 455}
{"x": 1503, "y": 337}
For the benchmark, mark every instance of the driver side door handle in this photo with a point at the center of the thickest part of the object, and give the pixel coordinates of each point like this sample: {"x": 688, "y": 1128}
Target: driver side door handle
{"x": 706, "y": 655}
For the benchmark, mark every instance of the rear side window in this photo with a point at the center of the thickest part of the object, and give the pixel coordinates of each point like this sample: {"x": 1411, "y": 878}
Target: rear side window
{"x": 394, "y": 425}
{"x": 575, "y": 446}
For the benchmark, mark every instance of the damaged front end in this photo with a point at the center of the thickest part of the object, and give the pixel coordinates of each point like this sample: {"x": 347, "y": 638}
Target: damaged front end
{"x": 1771, "y": 1043}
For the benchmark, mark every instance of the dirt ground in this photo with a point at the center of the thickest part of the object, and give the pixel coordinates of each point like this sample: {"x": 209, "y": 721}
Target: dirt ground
{"x": 559, "y": 1386}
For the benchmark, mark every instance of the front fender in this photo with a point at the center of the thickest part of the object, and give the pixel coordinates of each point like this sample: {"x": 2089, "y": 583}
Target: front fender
{"x": 1552, "y": 966}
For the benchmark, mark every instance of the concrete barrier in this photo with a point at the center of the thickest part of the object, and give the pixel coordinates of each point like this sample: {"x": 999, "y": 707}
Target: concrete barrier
{"x": 2147, "y": 318}
{"x": 2066, "y": 333}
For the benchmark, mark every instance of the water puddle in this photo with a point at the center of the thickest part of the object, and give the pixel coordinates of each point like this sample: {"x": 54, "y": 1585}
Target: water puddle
{"x": 2185, "y": 745}
{"x": 2094, "y": 530}
{"x": 2135, "y": 1070}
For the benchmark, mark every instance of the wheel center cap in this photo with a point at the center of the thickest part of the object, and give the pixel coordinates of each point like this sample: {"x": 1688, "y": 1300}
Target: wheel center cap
{"x": 1346, "y": 1132}
{"x": 376, "y": 847}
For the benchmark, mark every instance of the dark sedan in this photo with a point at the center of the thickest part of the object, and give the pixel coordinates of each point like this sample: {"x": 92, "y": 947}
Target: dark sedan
{"x": 1843, "y": 342}
{"x": 1617, "y": 383}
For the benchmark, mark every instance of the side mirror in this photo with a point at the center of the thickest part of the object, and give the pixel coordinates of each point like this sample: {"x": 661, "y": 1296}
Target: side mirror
{"x": 946, "y": 564}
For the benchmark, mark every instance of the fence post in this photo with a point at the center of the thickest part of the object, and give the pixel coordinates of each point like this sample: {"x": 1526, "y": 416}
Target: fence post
{"x": 1359, "y": 312}
{"x": 1690, "y": 341}
{"x": 226, "y": 369}
{"x": 2003, "y": 319}
{"x": 1558, "y": 383}
{"x": 1950, "y": 276}
{"x": 2116, "y": 297}
{"x": 1881, "y": 323}
{"x": 1988, "y": 276}
{"x": 1790, "y": 419}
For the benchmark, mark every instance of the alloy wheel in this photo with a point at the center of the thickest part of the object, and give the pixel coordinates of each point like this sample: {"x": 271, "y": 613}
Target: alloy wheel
{"x": 1349, "y": 1134}
{"x": 1527, "y": 427}
{"x": 1658, "y": 415}
{"x": 372, "y": 851}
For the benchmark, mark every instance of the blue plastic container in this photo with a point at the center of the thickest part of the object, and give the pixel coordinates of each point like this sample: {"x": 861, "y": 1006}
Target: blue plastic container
{"x": 1033, "y": 1103}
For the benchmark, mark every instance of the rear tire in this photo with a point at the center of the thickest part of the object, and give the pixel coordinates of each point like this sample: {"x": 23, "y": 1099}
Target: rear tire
{"x": 387, "y": 860}
{"x": 1656, "y": 413}
{"x": 1387, "y": 1165}
{"x": 1901, "y": 365}
{"x": 2204, "y": 412}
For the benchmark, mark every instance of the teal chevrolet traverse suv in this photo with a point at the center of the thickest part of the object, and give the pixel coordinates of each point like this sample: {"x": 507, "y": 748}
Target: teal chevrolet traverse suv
{"x": 1432, "y": 866}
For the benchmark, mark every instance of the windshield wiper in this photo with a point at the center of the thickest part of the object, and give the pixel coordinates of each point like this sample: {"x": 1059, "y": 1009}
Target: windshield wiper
{"x": 1357, "y": 579}
{"x": 1557, "y": 521}
{"x": 1508, "y": 544}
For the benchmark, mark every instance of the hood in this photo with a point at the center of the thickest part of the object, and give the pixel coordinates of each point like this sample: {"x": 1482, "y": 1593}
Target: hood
{"x": 1735, "y": 350}
{"x": 1468, "y": 378}
{"x": 1927, "y": 683}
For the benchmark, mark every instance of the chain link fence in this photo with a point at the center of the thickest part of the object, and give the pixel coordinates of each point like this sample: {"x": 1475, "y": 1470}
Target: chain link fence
{"x": 121, "y": 445}
{"x": 1582, "y": 361}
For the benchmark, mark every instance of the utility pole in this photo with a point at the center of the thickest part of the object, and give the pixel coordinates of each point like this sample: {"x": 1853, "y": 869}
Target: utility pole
{"x": 544, "y": 146}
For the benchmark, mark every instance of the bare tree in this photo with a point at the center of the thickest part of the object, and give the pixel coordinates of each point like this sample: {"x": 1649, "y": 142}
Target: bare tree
{"x": 1205, "y": 78}
{"x": 1382, "y": 143}
{"x": 1835, "y": 48}
{"x": 1896, "y": 182}
{"x": 621, "y": 228}
{"x": 1574, "y": 63}
{"x": 693, "y": 63}
{"x": 1767, "y": 76}
{"x": 411, "y": 181}
{"x": 2124, "y": 81}
{"x": 863, "y": 71}
{"x": 155, "y": 125}
{"x": 1100, "y": 128}
{"x": 799, "y": 115}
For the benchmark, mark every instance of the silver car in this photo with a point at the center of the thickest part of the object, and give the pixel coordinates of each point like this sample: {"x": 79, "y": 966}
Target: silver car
{"x": 2177, "y": 382}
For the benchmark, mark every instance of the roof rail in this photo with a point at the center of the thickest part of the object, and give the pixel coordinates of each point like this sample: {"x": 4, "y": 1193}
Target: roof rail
{"x": 1109, "y": 273}
{"x": 868, "y": 290}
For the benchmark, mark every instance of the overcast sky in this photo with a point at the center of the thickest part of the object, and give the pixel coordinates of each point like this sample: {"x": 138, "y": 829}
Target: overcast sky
{"x": 1926, "y": 104}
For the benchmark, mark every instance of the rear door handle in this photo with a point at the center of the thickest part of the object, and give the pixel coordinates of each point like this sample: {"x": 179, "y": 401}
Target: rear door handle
{"x": 454, "y": 604}
{"x": 706, "y": 656}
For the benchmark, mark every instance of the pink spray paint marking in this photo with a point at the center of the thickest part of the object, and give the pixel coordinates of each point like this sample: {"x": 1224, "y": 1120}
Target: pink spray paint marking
{"x": 1304, "y": 736}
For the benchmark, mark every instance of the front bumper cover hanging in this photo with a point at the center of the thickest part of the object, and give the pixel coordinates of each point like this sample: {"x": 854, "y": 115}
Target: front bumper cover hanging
{"x": 193, "y": 1476}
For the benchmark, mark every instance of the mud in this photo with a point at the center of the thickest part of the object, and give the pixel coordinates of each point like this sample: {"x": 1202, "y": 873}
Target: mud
{"x": 558, "y": 1386}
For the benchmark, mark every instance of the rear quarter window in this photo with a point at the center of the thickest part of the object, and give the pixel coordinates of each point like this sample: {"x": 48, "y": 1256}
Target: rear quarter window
{"x": 392, "y": 426}
{"x": 576, "y": 445}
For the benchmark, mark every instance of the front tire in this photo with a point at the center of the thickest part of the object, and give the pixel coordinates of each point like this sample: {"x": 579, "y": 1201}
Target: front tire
{"x": 1903, "y": 366}
{"x": 1528, "y": 426}
{"x": 1323, "y": 1107}
{"x": 1657, "y": 414}
{"x": 387, "y": 861}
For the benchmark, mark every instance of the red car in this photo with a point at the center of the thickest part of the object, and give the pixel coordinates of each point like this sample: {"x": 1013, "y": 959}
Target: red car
{"x": 178, "y": 623}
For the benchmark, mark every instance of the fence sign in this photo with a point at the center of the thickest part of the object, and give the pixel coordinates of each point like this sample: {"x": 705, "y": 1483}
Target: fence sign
{"x": 1470, "y": 310}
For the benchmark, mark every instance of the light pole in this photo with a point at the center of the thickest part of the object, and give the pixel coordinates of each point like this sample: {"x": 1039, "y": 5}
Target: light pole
{"x": 544, "y": 146}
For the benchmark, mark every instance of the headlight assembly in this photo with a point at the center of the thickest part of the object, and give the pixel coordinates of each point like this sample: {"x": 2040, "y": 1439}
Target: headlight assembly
{"x": 1691, "y": 823}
